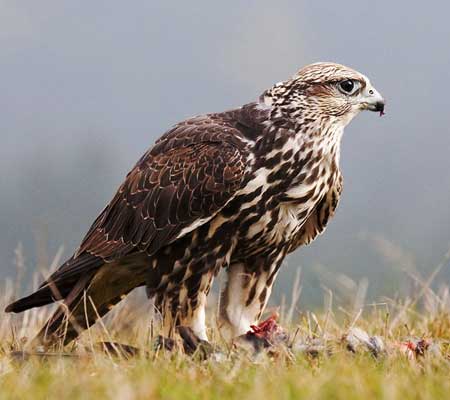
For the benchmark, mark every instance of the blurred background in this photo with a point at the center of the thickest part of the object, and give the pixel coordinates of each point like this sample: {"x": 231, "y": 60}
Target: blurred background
{"x": 86, "y": 88}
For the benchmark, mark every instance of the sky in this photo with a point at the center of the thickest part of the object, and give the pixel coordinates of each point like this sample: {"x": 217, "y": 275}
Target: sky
{"x": 87, "y": 87}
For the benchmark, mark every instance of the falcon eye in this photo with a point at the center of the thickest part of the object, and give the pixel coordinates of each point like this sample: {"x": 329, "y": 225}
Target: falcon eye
{"x": 349, "y": 86}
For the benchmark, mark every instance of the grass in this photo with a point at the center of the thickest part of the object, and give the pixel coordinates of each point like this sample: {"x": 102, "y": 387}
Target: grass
{"x": 84, "y": 371}
{"x": 342, "y": 377}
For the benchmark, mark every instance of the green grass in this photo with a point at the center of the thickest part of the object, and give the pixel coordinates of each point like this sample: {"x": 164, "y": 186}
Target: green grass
{"x": 83, "y": 371}
{"x": 343, "y": 376}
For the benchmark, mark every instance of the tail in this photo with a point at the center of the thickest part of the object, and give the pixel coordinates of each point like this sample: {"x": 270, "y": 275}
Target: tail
{"x": 91, "y": 298}
{"x": 89, "y": 287}
{"x": 60, "y": 284}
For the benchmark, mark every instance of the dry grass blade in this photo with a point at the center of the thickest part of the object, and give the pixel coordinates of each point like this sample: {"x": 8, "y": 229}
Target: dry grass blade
{"x": 115, "y": 358}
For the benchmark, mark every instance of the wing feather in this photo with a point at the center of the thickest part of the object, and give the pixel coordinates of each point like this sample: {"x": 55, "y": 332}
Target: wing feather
{"x": 187, "y": 177}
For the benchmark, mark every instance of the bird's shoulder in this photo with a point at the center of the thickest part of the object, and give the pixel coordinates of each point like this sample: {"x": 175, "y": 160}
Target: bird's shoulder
{"x": 181, "y": 182}
{"x": 235, "y": 127}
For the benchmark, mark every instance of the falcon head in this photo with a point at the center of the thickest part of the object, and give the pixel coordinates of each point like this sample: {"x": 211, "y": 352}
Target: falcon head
{"x": 324, "y": 89}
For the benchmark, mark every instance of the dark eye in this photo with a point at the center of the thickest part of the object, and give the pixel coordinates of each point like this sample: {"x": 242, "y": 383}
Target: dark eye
{"x": 347, "y": 86}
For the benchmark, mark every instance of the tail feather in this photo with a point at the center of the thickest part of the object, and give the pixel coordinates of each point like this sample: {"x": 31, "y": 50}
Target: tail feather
{"x": 89, "y": 288}
{"x": 39, "y": 298}
{"x": 56, "y": 327}
{"x": 59, "y": 285}
{"x": 92, "y": 297}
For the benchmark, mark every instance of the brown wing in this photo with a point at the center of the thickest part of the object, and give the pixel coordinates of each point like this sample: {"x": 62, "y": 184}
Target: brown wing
{"x": 318, "y": 220}
{"x": 183, "y": 181}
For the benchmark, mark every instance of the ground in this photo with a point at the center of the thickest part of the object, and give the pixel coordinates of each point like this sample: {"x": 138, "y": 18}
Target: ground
{"x": 390, "y": 350}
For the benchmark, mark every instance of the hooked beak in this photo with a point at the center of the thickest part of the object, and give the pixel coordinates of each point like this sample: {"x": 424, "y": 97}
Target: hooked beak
{"x": 373, "y": 101}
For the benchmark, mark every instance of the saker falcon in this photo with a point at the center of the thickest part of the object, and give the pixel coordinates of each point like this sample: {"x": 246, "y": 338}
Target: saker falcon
{"x": 237, "y": 190}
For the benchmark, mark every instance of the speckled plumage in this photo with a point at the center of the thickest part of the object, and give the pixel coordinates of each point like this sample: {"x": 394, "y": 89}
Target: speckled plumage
{"x": 237, "y": 190}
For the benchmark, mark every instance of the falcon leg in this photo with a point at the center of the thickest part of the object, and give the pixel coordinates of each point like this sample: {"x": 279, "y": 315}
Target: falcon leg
{"x": 186, "y": 306}
{"x": 244, "y": 298}
{"x": 197, "y": 320}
